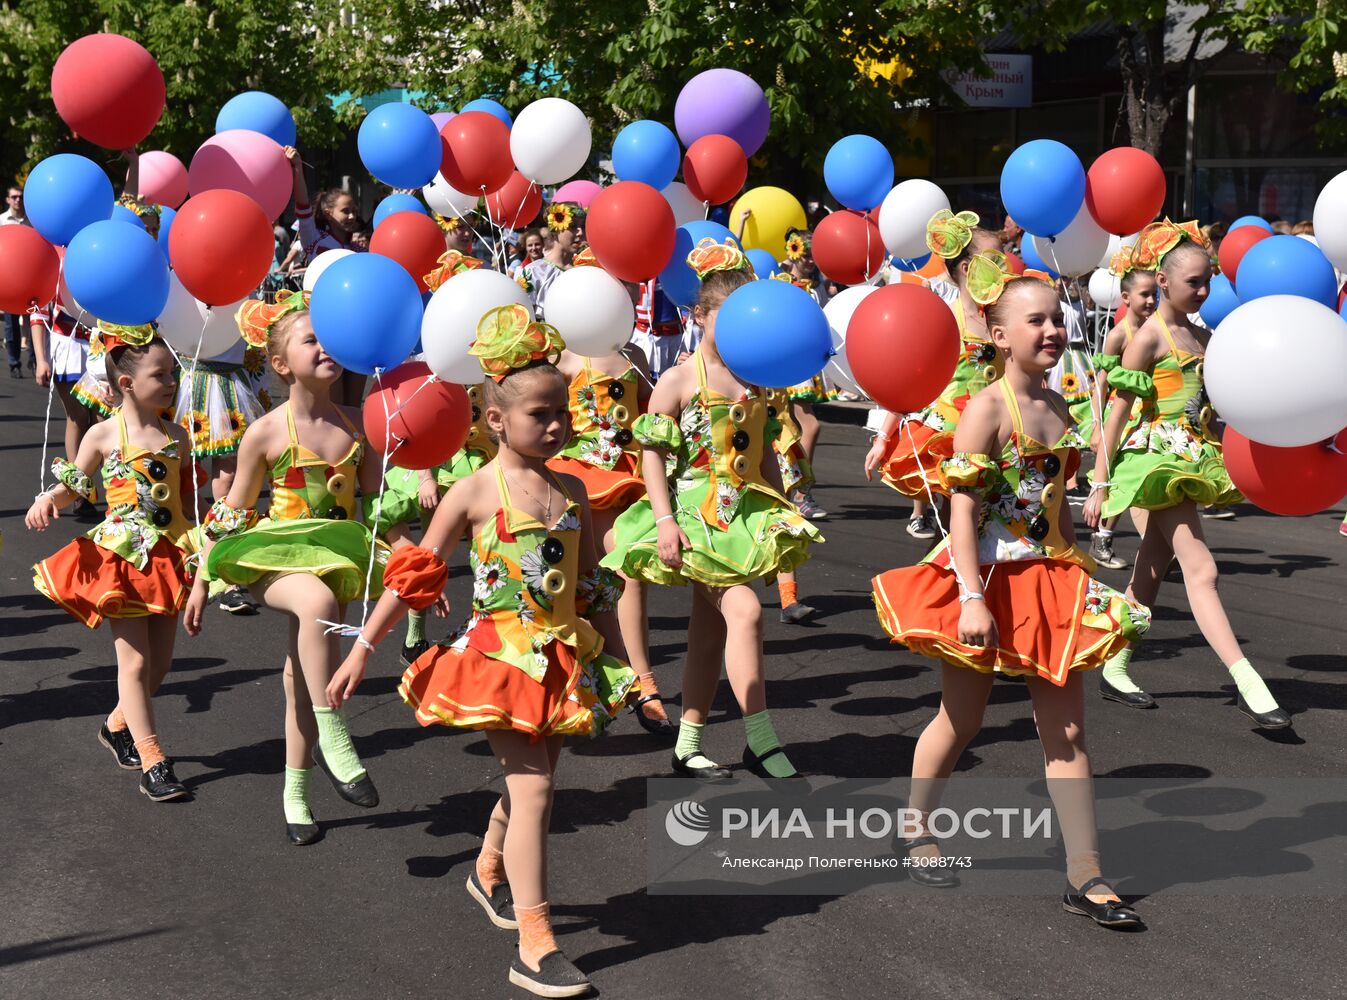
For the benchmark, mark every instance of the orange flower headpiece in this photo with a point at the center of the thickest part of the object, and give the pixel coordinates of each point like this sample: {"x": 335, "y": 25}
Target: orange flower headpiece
{"x": 709, "y": 256}
{"x": 106, "y": 336}
{"x": 804, "y": 283}
{"x": 1126, "y": 260}
{"x": 451, "y": 263}
{"x": 1159, "y": 238}
{"x": 509, "y": 338}
{"x": 988, "y": 277}
{"x": 948, "y": 234}
{"x": 586, "y": 258}
{"x": 256, "y": 318}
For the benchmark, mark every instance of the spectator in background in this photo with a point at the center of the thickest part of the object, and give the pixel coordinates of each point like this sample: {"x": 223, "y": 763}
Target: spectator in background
{"x": 16, "y": 327}
{"x": 1303, "y": 228}
{"x": 533, "y": 250}
{"x": 537, "y": 276}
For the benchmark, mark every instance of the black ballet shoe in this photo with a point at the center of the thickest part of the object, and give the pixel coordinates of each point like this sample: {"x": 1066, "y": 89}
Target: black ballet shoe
{"x": 302, "y": 834}
{"x": 413, "y": 651}
{"x": 754, "y": 763}
{"x": 794, "y": 614}
{"x": 933, "y": 877}
{"x": 123, "y": 747}
{"x": 714, "y": 774}
{"x": 1112, "y": 914}
{"x": 556, "y": 977}
{"x": 498, "y": 903}
{"x": 655, "y": 727}
{"x": 1275, "y": 719}
{"x": 1132, "y": 699}
{"x": 360, "y": 792}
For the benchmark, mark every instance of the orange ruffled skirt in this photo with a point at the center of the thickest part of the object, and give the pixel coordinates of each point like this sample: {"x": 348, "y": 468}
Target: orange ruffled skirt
{"x": 92, "y": 583}
{"x": 912, "y": 463}
{"x": 1051, "y": 618}
{"x": 618, "y": 487}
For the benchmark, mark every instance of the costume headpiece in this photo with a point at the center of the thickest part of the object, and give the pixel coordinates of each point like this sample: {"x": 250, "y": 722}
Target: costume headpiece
{"x": 804, "y": 283}
{"x": 1159, "y": 238}
{"x": 106, "y": 336}
{"x": 586, "y": 258}
{"x": 451, "y": 263}
{"x": 508, "y": 338}
{"x": 256, "y": 318}
{"x": 948, "y": 235}
{"x": 988, "y": 276}
{"x": 709, "y": 256}
{"x": 797, "y": 245}
{"x": 559, "y": 217}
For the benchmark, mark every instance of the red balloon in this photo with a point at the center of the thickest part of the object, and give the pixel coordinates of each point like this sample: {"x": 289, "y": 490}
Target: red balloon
{"x": 1292, "y": 481}
{"x": 475, "y": 152}
{"x": 903, "y": 343}
{"x": 417, "y": 419}
{"x": 108, "y": 89}
{"x": 631, "y": 230}
{"x": 847, "y": 248}
{"x": 715, "y": 168}
{"x": 1124, "y": 190}
{"x": 516, "y": 204}
{"x": 1235, "y": 245}
{"x": 221, "y": 246}
{"x": 410, "y": 238}
{"x": 29, "y": 269}
{"x": 1015, "y": 263}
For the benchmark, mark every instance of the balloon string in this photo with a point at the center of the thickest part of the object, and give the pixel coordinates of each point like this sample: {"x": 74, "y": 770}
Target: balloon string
{"x": 1095, "y": 407}
{"x": 51, "y": 382}
{"x": 191, "y": 424}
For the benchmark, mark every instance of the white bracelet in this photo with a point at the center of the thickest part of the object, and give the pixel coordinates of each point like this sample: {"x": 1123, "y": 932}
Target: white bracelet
{"x": 666, "y": 517}
{"x": 360, "y": 640}
{"x": 1099, "y": 486}
{"x": 881, "y": 436}
{"x": 970, "y": 596}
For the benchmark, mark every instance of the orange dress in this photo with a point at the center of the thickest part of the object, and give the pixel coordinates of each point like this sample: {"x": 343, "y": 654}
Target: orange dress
{"x": 602, "y": 453}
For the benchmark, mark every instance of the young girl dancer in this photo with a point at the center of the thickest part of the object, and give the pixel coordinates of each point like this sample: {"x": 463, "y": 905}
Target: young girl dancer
{"x": 131, "y": 568}
{"x": 529, "y": 668}
{"x": 310, "y": 557}
{"x": 715, "y": 522}
{"x": 908, "y": 450}
{"x": 1171, "y": 461}
{"x": 1008, "y": 591}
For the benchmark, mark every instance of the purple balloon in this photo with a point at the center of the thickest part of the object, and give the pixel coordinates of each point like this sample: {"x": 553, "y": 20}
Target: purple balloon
{"x": 441, "y": 118}
{"x": 723, "y": 102}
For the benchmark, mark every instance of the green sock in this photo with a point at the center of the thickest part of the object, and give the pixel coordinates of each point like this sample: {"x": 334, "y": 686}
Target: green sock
{"x": 1251, "y": 687}
{"x": 416, "y": 627}
{"x": 761, "y": 738}
{"x": 1115, "y": 671}
{"x": 296, "y": 796}
{"x": 335, "y": 741}
{"x": 690, "y": 742}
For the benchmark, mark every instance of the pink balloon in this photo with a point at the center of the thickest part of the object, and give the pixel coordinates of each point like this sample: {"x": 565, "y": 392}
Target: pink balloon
{"x": 244, "y": 161}
{"x": 163, "y": 179}
{"x": 577, "y": 193}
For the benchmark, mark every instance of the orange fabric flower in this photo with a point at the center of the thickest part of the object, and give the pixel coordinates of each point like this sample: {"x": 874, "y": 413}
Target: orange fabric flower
{"x": 508, "y": 338}
{"x": 1159, "y": 238}
{"x": 708, "y": 256}
{"x": 451, "y": 263}
{"x": 256, "y": 318}
{"x": 586, "y": 258}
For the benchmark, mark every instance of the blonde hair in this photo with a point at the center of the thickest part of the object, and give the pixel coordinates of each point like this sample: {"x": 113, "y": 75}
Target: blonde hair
{"x": 279, "y": 332}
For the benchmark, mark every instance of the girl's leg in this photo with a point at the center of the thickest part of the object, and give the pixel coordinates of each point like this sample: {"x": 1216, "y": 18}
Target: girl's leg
{"x": 131, "y": 638}
{"x": 163, "y": 633}
{"x": 632, "y": 619}
{"x": 491, "y": 860}
{"x": 701, "y": 676}
{"x": 301, "y": 736}
{"x": 809, "y": 428}
{"x": 78, "y": 419}
{"x": 963, "y": 699}
{"x": 1148, "y": 573}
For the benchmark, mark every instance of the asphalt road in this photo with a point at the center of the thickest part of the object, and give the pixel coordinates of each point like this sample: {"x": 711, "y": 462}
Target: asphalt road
{"x": 108, "y": 895}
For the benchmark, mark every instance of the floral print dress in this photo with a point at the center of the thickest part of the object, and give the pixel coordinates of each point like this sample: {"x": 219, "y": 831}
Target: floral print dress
{"x": 603, "y": 452}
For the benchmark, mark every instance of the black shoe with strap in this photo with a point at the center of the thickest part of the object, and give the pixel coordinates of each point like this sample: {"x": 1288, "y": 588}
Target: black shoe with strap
{"x": 753, "y": 762}
{"x": 556, "y": 977}
{"x": 413, "y": 651}
{"x": 122, "y": 745}
{"x": 1113, "y": 913}
{"x": 655, "y": 727}
{"x": 1275, "y": 719}
{"x": 360, "y": 792}
{"x": 302, "y": 834}
{"x": 714, "y": 774}
{"x": 1132, "y": 699}
{"x": 932, "y": 876}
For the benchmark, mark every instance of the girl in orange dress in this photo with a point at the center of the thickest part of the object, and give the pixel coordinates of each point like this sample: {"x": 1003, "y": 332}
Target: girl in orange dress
{"x": 132, "y": 568}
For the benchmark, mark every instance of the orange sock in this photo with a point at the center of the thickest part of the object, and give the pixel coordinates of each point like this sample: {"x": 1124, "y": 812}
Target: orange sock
{"x": 490, "y": 868}
{"x": 535, "y": 932}
{"x": 116, "y": 721}
{"x": 150, "y": 752}
{"x": 787, "y": 591}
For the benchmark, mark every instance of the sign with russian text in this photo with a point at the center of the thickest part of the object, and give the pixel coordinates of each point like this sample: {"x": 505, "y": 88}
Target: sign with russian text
{"x": 1011, "y": 84}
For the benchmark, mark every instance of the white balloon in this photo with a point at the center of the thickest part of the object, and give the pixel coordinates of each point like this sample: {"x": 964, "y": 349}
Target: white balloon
{"x": 838, "y": 312}
{"x": 321, "y": 263}
{"x": 550, "y": 140}
{"x": 592, "y": 311}
{"x": 1105, "y": 289}
{"x": 1274, "y": 371}
{"x": 903, "y": 216}
{"x": 185, "y": 322}
{"x": 1116, "y": 243}
{"x": 686, "y": 207}
{"x": 1330, "y": 220}
{"x": 1077, "y": 248}
{"x": 449, "y": 325}
{"x": 446, "y": 200}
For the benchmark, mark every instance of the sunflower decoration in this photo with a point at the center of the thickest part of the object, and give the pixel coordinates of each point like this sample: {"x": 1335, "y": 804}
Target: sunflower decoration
{"x": 797, "y": 246}
{"x": 559, "y": 217}
{"x": 447, "y": 225}
{"x": 1070, "y": 384}
{"x": 524, "y": 280}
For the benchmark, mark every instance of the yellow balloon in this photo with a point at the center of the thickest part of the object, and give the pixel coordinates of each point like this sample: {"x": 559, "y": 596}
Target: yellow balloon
{"x": 774, "y": 213}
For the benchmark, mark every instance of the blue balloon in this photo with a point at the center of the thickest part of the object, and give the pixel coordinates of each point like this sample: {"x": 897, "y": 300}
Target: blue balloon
{"x": 858, "y": 171}
{"x": 1221, "y": 301}
{"x": 1283, "y": 265}
{"x": 366, "y": 312}
{"x": 648, "y": 152}
{"x": 720, "y": 213}
{"x": 166, "y": 217}
{"x": 494, "y": 108}
{"x": 400, "y": 145}
{"x": 678, "y": 280}
{"x": 397, "y": 202}
{"x": 117, "y": 273}
{"x": 63, "y": 194}
{"x": 1029, "y": 254}
{"x": 1043, "y": 186}
{"x": 773, "y": 334}
{"x": 1252, "y": 220}
{"x": 915, "y": 264}
{"x": 258, "y": 112}
{"x": 120, "y": 213}
{"x": 764, "y": 264}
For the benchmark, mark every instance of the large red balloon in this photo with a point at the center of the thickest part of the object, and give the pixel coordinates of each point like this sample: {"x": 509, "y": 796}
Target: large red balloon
{"x": 414, "y": 417}
{"x": 847, "y": 248}
{"x": 715, "y": 168}
{"x": 631, "y": 230}
{"x": 1235, "y": 245}
{"x": 903, "y": 343}
{"x": 1293, "y": 481}
{"x": 516, "y": 204}
{"x": 412, "y": 239}
{"x": 108, "y": 89}
{"x": 1124, "y": 190}
{"x": 29, "y": 269}
{"x": 221, "y": 246}
{"x": 475, "y": 152}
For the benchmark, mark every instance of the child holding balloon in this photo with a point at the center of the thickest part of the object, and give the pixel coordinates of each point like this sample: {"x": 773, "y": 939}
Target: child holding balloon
{"x": 1008, "y": 591}
{"x": 538, "y": 660}
{"x": 310, "y": 556}
{"x": 718, "y": 521}
{"x": 1171, "y": 461}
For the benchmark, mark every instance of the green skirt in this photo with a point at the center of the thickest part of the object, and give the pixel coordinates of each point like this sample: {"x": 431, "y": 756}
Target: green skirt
{"x": 765, "y": 537}
{"x": 1156, "y": 480}
{"x": 337, "y": 552}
